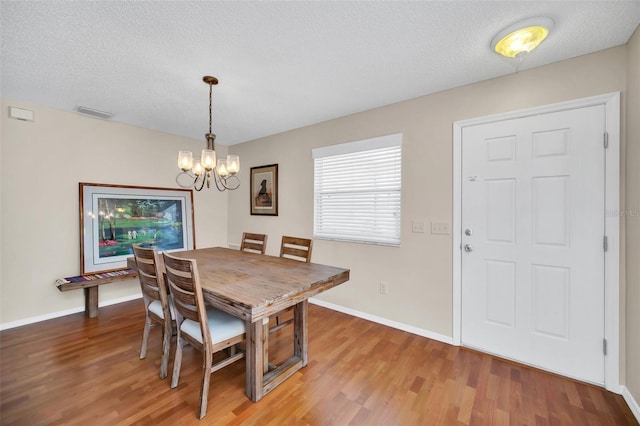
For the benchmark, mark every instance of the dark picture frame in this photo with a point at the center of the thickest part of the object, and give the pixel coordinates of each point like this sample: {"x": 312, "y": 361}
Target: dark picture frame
{"x": 113, "y": 217}
{"x": 263, "y": 190}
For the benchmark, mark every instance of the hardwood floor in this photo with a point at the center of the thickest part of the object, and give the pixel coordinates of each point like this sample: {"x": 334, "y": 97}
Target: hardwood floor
{"x": 77, "y": 371}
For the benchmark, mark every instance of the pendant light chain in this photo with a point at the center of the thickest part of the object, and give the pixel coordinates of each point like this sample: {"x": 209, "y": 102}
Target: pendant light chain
{"x": 210, "y": 109}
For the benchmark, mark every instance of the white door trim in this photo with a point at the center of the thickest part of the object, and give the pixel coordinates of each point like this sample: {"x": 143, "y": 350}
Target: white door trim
{"x": 611, "y": 102}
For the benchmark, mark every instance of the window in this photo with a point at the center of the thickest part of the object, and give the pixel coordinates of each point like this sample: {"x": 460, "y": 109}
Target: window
{"x": 357, "y": 191}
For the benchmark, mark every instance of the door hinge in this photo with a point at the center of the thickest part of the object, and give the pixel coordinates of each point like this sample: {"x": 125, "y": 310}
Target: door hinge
{"x": 605, "y": 243}
{"x": 606, "y": 140}
{"x": 604, "y": 346}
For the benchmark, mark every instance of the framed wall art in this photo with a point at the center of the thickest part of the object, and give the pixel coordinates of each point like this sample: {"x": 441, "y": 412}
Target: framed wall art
{"x": 264, "y": 190}
{"x": 113, "y": 217}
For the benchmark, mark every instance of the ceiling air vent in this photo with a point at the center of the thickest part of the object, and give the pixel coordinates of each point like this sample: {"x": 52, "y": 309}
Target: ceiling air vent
{"x": 94, "y": 112}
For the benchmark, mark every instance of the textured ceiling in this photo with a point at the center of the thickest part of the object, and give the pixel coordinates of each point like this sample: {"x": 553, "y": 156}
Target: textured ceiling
{"x": 281, "y": 64}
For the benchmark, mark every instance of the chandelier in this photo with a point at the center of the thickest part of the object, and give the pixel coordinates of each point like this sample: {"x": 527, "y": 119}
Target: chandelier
{"x": 206, "y": 168}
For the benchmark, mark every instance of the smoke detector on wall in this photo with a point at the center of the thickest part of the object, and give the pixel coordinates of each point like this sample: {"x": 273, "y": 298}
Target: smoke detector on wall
{"x": 20, "y": 114}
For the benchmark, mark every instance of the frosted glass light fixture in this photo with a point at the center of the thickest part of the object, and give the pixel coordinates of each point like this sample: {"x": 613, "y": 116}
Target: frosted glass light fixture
{"x": 206, "y": 169}
{"x": 522, "y": 37}
{"x": 185, "y": 160}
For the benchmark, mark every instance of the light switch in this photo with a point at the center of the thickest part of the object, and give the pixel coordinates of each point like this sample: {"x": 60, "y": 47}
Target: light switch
{"x": 417, "y": 226}
{"x": 440, "y": 228}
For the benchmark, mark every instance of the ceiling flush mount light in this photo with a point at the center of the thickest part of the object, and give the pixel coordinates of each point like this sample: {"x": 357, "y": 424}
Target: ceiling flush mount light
{"x": 206, "y": 167}
{"x": 522, "y": 37}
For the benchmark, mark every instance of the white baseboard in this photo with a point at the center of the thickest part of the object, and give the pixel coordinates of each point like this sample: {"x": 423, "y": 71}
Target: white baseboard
{"x": 631, "y": 402}
{"x": 384, "y": 321}
{"x": 59, "y": 314}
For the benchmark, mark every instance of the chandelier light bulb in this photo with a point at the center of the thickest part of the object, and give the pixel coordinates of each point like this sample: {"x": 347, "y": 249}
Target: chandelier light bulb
{"x": 197, "y": 169}
{"x": 221, "y": 168}
{"x": 185, "y": 160}
{"x": 233, "y": 164}
{"x": 208, "y": 159}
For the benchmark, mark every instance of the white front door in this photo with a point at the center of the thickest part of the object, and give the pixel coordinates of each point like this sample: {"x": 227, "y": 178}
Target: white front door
{"x": 532, "y": 264}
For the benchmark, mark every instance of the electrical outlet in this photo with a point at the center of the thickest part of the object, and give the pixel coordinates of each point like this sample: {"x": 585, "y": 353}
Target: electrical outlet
{"x": 384, "y": 288}
{"x": 440, "y": 228}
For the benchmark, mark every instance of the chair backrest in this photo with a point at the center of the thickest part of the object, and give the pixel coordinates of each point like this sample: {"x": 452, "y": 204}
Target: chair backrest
{"x": 184, "y": 285}
{"x": 151, "y": 279}
{"x": 253, "y": 243}
{"x": 296, "y": 248}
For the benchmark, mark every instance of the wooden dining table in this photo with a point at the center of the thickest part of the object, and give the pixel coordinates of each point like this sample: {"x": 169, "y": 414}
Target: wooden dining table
{"x": 254, "y": 287}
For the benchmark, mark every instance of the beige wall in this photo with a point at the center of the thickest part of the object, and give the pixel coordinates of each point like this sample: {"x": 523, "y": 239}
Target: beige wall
{"x": 42, "y": 163}
{"x": 632, "y": 217}
{"x": 419, "y": 272}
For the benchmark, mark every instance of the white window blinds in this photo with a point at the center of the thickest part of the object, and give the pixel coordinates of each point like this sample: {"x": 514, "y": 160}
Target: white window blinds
{"x": 357, "y": 188}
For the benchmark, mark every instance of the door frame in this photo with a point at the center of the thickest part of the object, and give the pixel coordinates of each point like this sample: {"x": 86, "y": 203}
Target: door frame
{"x": 611, "y": 102}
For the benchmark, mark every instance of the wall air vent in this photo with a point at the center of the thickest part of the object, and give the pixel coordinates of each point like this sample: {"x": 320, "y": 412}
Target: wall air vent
{"x": 94, "y": 112}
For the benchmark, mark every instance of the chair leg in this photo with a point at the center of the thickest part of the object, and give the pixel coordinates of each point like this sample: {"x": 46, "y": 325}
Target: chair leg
{"x": 206, "y": 377}
{"x": 166, "y": 348}
{"x": 145, "y": 337}
{"x": 177, "y": 362}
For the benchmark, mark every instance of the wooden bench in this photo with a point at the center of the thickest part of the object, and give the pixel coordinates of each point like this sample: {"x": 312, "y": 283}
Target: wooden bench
{"x": 90, "y": 284}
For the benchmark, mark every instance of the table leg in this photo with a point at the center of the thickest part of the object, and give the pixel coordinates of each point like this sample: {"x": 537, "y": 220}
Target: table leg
{"x": 91, "y": 301}
{"x": 254, "y": 359}
{"x": 300, "y": 333}
{"x": 259, "y": 380}
{"x": 265, "y": 345}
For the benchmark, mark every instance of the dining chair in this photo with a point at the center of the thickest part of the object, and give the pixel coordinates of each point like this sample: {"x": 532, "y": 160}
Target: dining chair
{"x": 208, "y": 330}
{"x": 253, "y": 243}
{"x": 297, "y": 249}
{"x": 157, "y": 305}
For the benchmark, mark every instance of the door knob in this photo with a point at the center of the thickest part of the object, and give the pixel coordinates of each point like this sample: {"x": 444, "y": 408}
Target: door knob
{"x": 468, "y": 248}
{"x": 468, "y": 232}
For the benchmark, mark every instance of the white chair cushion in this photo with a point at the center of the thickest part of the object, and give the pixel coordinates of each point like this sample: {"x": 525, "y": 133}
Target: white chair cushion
{"x": 156, "y": 308}
{"x": 222, "y": 326}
